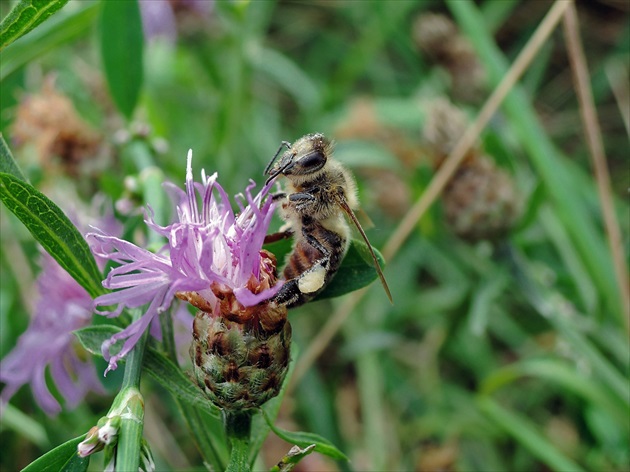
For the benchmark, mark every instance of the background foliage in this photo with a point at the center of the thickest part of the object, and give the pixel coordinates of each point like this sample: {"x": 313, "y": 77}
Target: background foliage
{"x": 503, "y": 355}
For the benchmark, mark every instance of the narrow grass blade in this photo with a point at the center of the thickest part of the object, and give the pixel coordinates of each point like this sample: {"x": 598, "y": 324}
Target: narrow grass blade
{"x": 523, "y": 431}
{"x": 545, "y": 158}
{"x": 561, "y": 374}
{"x": 301, "y": 439}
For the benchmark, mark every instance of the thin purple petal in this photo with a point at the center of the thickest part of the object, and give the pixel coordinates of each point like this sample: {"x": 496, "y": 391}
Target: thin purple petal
{"x": 207, "y": 244}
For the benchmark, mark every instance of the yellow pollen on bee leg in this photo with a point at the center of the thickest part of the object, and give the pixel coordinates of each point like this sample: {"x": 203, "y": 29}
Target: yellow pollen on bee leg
{"x": 312, "y": 280}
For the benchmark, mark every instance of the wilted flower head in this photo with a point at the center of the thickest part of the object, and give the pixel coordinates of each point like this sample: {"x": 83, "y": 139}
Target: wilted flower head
{"x": 49, "y": 122}
{"x": 439, "y": 38}
{"x": 209, "y": 250}
{"x": 62, "y": 306}
{"x": 481, "y": 200}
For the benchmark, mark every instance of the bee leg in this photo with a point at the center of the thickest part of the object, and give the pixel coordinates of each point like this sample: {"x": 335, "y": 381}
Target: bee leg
{"x": 273, "y": 237}
{"x": 301, "y": 200}
{"x": 297, "y": 291}
{"x": 313, "y": 279}
{"x": 301, "y": 196}
{"x": 313, "y": 241}
{"x": 278, "y": 196}
{"x": 289, "y": 294}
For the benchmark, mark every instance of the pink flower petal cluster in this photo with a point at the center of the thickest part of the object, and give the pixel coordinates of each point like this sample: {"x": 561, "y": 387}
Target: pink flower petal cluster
{"x": 61, "y": 307}
{"x": 208, "y": 245}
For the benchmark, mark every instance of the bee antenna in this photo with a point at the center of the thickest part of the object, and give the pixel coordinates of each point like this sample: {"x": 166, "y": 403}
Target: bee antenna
{"x": 277, "y": 173}
{"x": 284, "y": 144}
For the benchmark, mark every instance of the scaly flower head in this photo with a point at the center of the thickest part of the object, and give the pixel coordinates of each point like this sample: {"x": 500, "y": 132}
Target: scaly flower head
{"x": 210, "y": 250}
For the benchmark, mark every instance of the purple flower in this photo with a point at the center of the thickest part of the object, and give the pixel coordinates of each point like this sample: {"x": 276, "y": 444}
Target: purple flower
{"x": 159, "y": 17}
{"x": 61, "y": 307}
{"x": 210, "y": 250}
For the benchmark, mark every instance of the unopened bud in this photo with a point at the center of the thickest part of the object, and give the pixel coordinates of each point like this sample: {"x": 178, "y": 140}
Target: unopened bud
{"x": 241, "y": 356}
{"x": 105, "y": 433}
{"x": 90, "y": 444}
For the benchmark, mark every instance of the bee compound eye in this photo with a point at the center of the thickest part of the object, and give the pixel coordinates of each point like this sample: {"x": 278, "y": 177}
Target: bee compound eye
{"x": 312, "y": 161}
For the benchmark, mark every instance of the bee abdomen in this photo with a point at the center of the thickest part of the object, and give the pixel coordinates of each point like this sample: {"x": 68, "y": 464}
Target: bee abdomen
{"x": 309, "y": 270}
{"x": 302, "y": 258}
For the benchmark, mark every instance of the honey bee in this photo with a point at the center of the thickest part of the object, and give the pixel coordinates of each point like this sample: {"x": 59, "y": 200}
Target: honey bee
{"x": 320, "y": 194}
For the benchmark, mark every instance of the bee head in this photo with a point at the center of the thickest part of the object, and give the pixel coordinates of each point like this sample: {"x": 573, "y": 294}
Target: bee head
{"x": 305, "y": 156}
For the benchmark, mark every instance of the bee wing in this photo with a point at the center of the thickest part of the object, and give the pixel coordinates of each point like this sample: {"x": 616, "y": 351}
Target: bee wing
{"x": 346, "y": 208}
{"x": 364, "y": 218}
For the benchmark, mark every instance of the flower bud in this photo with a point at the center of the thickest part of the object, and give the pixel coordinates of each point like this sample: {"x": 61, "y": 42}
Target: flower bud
{"x": 105, "y": 433}
{"x": 241, "y": 354}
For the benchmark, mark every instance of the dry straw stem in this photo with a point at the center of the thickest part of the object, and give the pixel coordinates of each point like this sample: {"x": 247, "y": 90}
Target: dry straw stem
{"x": 596, "y": 148}
{"x": 444, "y": 174}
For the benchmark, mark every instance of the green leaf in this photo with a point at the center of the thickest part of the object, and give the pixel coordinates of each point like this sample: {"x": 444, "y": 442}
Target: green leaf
{"x": 121, "y": 50}
{"x": 304, "y": 440}
{"x": 173, "y": 379}
{"x": 288, "y": 75}
{"x": 61, "y": 29}
{"x": 158, "y": 366}
{"x": 535, "y": 200}
{"x": 92, "y": 337}
{"x": 25, "y": 16}
{"x": 53, "y": 230}
{"x": 7, "y": 162}
{"x": 357, "y": 269}
{"x": 528, "y": 435}
{"x": 63, "y": 457}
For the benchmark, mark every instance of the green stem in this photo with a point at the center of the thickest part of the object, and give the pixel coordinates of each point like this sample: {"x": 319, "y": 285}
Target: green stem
{"x": 131, "y": 408}
{"x": 168, "y": 337}
{"x": 196, "y": 424}
{"x": 238, "y": 425}
{"x": 151, "y": 179}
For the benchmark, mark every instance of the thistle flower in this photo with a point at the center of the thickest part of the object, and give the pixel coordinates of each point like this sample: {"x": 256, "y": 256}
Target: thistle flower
{"x": 210, "y": 250}
{"x": 62, "y": 306}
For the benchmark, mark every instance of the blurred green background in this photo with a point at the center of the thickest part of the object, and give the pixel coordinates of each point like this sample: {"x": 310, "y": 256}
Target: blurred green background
{"x": 506, "y": 347}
